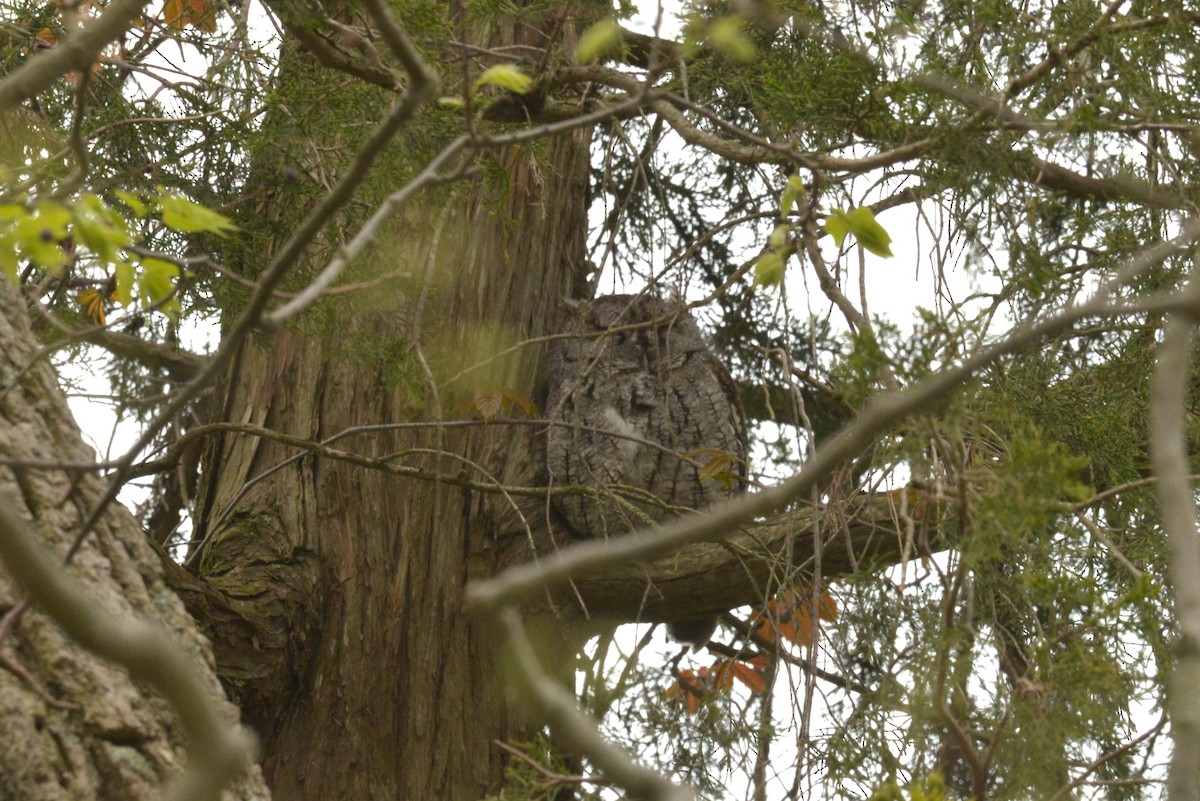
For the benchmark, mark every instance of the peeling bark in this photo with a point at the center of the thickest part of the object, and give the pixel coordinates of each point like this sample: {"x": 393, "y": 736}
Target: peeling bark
{"x": 380, "y": 684}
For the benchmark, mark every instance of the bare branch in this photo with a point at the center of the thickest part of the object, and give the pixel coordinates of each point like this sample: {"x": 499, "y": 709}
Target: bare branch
{"x": 181, "y": 365}
{"x": 575, "y": 729}
{"x": 1169, "y": 459}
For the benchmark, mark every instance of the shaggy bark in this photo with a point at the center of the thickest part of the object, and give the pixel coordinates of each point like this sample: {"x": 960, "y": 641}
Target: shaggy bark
{"x": 394, "y": 690}
{"x": 337, "y": 592}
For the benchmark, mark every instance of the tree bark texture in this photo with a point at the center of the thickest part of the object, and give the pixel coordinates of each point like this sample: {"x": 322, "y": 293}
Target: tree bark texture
{"x": 73, "y": 725}
{"x": 336, "y": 592}
{"x": 387, "y": 688}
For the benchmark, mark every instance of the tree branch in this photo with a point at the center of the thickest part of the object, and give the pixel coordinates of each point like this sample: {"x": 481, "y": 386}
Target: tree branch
{"x": 75, "y": 52}
{"x": 880, "y": 414}
{"x": 575, "y": 729}
{"x": 181, "y": 365}
{"x": 1168, "y": 456}
{"x": 714, "y": 577}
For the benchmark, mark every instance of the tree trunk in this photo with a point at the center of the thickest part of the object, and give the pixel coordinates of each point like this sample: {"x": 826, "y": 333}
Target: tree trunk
{"x": 353, "y": 655}
{"x": 74, "y": 725}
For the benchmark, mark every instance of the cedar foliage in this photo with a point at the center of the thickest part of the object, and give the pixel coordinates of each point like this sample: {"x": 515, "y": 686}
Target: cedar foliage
{"x": 1048, "y": 645}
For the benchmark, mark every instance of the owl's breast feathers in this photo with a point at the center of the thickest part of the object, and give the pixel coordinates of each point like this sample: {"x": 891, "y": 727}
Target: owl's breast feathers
{"x": 638, "y": 406}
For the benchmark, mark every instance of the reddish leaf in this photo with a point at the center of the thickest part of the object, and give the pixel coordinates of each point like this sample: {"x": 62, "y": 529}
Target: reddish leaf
{"x": 519, "y": 400}
{"x": 487, "y": 404}
{"x": 788, "y": 615}
{"x": 827, "y": 607}
{"x": 720, "y": 675}
{"x": 689, "y": 686}
{"x": 799, "y": 629}
{"x": 747, "y": 675}
{"x": 696, "y": 686}
{"x": 198, "y": 13}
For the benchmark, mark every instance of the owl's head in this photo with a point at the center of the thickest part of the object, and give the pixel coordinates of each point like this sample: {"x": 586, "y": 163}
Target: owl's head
{"x": 653, "y": 316}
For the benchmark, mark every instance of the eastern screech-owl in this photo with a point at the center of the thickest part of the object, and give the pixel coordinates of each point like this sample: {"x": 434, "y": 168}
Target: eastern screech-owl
{"x": 640, "y": 405}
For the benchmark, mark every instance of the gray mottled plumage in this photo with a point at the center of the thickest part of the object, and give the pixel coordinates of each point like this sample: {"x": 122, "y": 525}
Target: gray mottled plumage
{"x": 640, "y": 409}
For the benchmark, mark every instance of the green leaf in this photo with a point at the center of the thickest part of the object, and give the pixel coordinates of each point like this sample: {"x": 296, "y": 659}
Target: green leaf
{"x": 725, "y": 35}
{"x": 139, "y": 208}
{"x": 837, "y": 226}
{"x": 768, "y": 270}
{"x": 866, "y": 229}
{"x": 451, "y": 102}
{"x": 156, "y": 281}
{"x": 8, "y": 257}
{"x": 12, "y": 212}
{"x": 506, "y": 76}
{"x": 123, "y": 272}
{"x": 778, "y": 240}
{"x": 793, "y": 191}
{"x": 181, "y": 214}
{"x": 39, "y": 235}
{"x": 99, "y": 228}
{"x": 870, "y": 234}
{"x": 598, "y": 41}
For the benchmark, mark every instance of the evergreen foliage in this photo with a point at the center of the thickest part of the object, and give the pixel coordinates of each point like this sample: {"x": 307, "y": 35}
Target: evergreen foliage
{"x": 1042, "y": 641}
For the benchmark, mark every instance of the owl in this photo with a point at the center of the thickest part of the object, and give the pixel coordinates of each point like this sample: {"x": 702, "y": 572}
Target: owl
{"x": 644, "y": 417}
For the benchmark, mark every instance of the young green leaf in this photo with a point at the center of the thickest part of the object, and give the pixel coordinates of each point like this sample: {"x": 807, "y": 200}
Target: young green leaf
{"x": 866, "y": 229}
{"x": 99, "y": 228}
{"x": 39, "y": 234}
{"x": 778, "y": 240}
{"x": 768, "y": 270}
{"x": 123, "y": 273}
{"x": 506, "y": 76}
{"x": 837, "y": 226}
{"x": 598, "y": 41}
{"x": 181, "y": 214}
{"x": 869, "y": 233}
{"x": 156, "y": 281}
{"x": 793, "y": 191}
{"x": 139, "y": 208}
